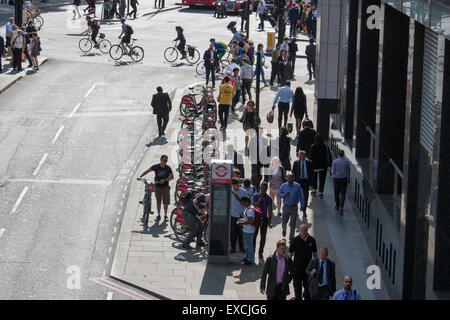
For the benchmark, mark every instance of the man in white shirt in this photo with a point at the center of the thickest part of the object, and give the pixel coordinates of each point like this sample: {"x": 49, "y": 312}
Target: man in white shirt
{"x": 248, "y": 230}
{"x": 260, "y": 11}
{"x": 229, "y": 69}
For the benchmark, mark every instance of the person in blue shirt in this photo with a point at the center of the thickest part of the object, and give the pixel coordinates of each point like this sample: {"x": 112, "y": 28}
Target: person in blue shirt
{"x": 340, "y": 170}
{"x": 347, "y": 293}
{"x": 284, "y": 95}
{"x": 263, "y": 60}
{"x": 294, "y": 16}
{"x": 237, "y": 210}
{"x": 292, "y": 194}
{"x": 236, "y": 36}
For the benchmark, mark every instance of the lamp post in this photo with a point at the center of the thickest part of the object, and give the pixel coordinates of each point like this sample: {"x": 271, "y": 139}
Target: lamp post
{"x": 256, "y": 168}
{"x": 281, "y": 26}
{"x": 18, "y": 13}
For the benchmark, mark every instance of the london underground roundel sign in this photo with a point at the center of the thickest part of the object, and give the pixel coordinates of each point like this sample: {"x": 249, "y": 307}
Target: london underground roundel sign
{"x": 221, "y": 173}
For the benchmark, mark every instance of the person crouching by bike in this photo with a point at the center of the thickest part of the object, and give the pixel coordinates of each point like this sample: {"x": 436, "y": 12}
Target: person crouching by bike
{"x": 94, "y": 28}
{"x": 191, "y": 211}
{"x": 127, "y": 31}
{"x": 163, "y": 174}
{"x": 180, "y": 37}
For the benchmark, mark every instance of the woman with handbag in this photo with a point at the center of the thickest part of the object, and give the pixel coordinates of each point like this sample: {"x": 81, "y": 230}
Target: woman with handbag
{"x": 299, "y": 108}
{"x": 320, "y": 155}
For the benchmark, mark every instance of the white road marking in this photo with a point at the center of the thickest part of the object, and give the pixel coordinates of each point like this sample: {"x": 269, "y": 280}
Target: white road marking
{"x": 112, "y": 240}
{"x": 104, "y": 273}
{"x": 74, "y": 110}
{"x": 125, "y": 188}
{"x": 66, "y": 181}
{"x": 117, "y": 220}
{"x": 121, "y": 204}
{"x": 110, "y": 249}
{"x": 107, "y": 260}
{"x": 110, "y": 295}
{"x": 115, "y": 114}
{"x": 115, "y": 229}
{"x": 90, "y": 90}
{"x": 2, "y": 231}
{"x": 123, "y": 195}
{"x": 120, "y": 212}
{"x": 19, "y": 200}
{"x": 57, "y": 134}
{"x": 40, "y": 164}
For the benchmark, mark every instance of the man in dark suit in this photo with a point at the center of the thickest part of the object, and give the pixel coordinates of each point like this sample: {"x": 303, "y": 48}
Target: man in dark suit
{"x": 211, "y": 61}
{"x": 161, "y": 107}
{"x": 306, "y": 136}
{"x": 311, "y": 58}
{"x": 322, "y": 276}
{"x": 302, "y": 170}
{"x": 279, "y": 275}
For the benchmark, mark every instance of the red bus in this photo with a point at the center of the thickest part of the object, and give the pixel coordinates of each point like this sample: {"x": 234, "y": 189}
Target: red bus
{"x": 230, "y": 5}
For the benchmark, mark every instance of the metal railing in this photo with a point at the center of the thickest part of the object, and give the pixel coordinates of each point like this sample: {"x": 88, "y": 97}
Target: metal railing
{"x": 373, "y": 138}
{"x": 398, "y": 173}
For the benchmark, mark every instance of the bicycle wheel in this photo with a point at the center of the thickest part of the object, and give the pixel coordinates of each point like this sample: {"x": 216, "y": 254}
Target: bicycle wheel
{"x": 171, "y": 54}
{"x": 85, "y": 45}
{"x": 38, "y": 22}
{"x": 223, "y": 65}
{"x": 116, "y": 52}
{"x": 200, "y": 69}
{"x": 194, "y": 58}
{"x": 180, "y": 230}
{"x": 137, "y": 54}
{"x": 105, "y": 45}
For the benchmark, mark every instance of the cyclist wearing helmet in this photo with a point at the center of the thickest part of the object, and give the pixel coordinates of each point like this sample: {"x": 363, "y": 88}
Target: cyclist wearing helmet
{"x": 126, "y": 32}
{"x": 94, "y": 28}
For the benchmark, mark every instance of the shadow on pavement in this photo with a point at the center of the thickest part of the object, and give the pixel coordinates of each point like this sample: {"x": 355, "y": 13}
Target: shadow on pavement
{"x": 157, "y": 229}
{"x": 214, "y": 278}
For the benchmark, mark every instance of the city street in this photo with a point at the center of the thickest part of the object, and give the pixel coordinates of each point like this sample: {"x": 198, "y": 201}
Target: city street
{"x": 72, "y": 136}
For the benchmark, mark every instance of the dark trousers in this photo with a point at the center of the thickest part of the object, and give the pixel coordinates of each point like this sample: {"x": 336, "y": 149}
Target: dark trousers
{"x": 301, "y": 282}
{"x": 283, "y": 109}
{"x": 244, "y": 20}
{"x": 275, "y": 72}
{"x": 162, "y": 120}
{"x": 322, "y": 176}
{"x": 210, "y": 69}
{"x": 278, "y": 293}
{"x": 224, "y": 110}
{"x": 284, "y": 73}
{"x": 181, "y": 48}
{"x": 324, "y": 293}
{"x": 194, "y": 224}
{"x": 235, "y": 100}
{"x": 246, "y": 87}
{"x": 133, "y": 5}
{"x": 293, "y": 28}
{"x": 236, "y": 234}
{"x": 292, "y": 59}
{"x": 340, "y": 187}
{"x": 28, "y": 57}
{"x": 262, "y": 242}
{"x": 261, "y": 19}
{"x": 17, "y": 59}
{"x": 305, "y": 188}
{"x": 311, "y": 68}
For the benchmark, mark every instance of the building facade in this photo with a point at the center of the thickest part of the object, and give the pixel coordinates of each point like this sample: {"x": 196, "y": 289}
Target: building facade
{"x": 383, "y": 95}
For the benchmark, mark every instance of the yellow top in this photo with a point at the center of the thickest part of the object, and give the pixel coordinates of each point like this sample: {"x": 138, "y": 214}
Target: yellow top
{"x": 226, "y": 93}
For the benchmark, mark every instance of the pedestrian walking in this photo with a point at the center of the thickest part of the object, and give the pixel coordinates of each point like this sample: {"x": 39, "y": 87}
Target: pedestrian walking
{"x": 226, "y": 93}
{"x": 250, "y": 123}
{"x": 276, "y": 177}
{"x": 237, "y": 211}
{"x": 284, "y": 65}
{"x": 292, "y": 195}
{"x": 322, "y": 276}
{"x": 8, "y": 33}
{"x": 133, "y": 4}
{"x": 320, "y": 155}
{"x": 264, "y": 202}
{"x": 246, "y": 74}
{"x": 18, "y": 45}
{"x": 340, "y": 170}
{"x": 76, "y": 9}
{"x": 114, "y": 11}
{"x": 2, "y": 51}
{"x": 293, "y": 48}
{"x": 284, "y": 96}
{"x": 190, "y": 214}
{"x": 122, "y": 8}
{"x": 162, "y": 106}
{"x": 275, "y": 72}
{"x": 163, "y": 174}
{"x": 284, "y": 144}
{"x": 303, "y": 171}
{"x": 237, "y": 87}
{"x": 210, "y": 61}
{"x": 306, "y": 136}
{"x": 294, "y": 16}
{"x": 248, "y": 229}
{"x": 251, "y": 52}
{"x": 303, "y": 248}
{"x": 262, "y": 64}
{"x": 299, "y": 108}
{"x": 248, "y": 187}
{"x": 277, "y": 274}
{"x": 347, "y": 293}
{"x": 311, "y": 58}
{"x": 261, "y": 11}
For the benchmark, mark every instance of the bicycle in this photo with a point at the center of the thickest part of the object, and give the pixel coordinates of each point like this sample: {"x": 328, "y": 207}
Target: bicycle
{"x": 86, "y": 44}
{"x": 136, "y": 53}
{"x": 192, "y": 54}
{"x": 181, "y": 230}
{"x": 37, "y": 19}
{"x": 201, "y": 70}
{"x": 147, "y": 202}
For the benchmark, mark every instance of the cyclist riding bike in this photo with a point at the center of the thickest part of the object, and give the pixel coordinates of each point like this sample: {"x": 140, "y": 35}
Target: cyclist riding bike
{"x": 28, "y": 9}
{"x": 180, "y": 36}
{"x": 221, "y": 48}
{"x": 93, "y": 27}
{"x": 127, "y": 31}
{"x": 190, "y": 215}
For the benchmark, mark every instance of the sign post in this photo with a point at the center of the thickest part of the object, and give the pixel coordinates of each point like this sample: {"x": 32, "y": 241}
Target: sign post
{"x": 219, "y": 220}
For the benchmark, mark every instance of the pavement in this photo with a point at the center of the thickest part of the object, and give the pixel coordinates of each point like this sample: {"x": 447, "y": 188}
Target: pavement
{"x": 146, "y": 259}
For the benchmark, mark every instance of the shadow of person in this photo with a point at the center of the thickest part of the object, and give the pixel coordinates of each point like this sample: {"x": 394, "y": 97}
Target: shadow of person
{"x": 250, "y": 273}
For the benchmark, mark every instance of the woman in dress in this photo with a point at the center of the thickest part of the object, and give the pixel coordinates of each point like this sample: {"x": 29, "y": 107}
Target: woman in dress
{"x": 299, "y": 108}
{"x": 276, "y": 177}
{"x": 34, "y": 50}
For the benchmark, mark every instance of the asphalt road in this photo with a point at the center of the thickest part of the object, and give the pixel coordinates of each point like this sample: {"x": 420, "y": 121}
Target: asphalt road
{"x": 71, "y": 137}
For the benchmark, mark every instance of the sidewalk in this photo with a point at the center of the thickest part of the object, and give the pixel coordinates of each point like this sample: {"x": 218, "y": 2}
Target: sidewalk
{"x": 146, "y": 259}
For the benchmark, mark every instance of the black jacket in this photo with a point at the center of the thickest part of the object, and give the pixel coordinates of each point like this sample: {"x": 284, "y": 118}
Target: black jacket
{"x": 207, "y": 58}
{"x": 296, "y": 170}
{"x": 311, "y": 52}
{"x": 161, "y": 103}
{"x": 270, "y": 269}
{"x": 314, "y": 279}
{"x": 299, "y": 106}
{"x": 305, "y": 139}
{"x": 320, "y": 156}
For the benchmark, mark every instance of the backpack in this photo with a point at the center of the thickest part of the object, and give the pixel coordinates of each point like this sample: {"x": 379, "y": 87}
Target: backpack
{"x": 258, "y": 216}
{"x": 130, "y": 29}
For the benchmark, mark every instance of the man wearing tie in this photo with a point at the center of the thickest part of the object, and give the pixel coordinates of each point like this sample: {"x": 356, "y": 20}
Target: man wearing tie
{"x": 210, "y": 60}
{"x": 302, "y": 170}
{"x": 322, "y": 276}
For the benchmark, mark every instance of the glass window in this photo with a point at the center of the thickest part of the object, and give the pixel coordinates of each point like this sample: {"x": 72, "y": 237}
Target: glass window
{"x": 417, "y": 9}
{"x": 440, "y": 18}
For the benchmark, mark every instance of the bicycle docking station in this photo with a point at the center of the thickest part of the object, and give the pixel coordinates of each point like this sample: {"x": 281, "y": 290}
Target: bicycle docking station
{"x": 220, "y": 207}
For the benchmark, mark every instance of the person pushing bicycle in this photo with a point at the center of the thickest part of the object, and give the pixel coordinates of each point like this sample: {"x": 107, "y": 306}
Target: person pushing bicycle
{"x": 127, "y": 31}
{"x": 93, "y": 27}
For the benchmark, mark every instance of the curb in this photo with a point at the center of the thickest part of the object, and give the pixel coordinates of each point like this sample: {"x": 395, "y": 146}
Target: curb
{"x": 152, "y": 293}
{"x": 161, "y": 10}
{"x": 16, "y": 79}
